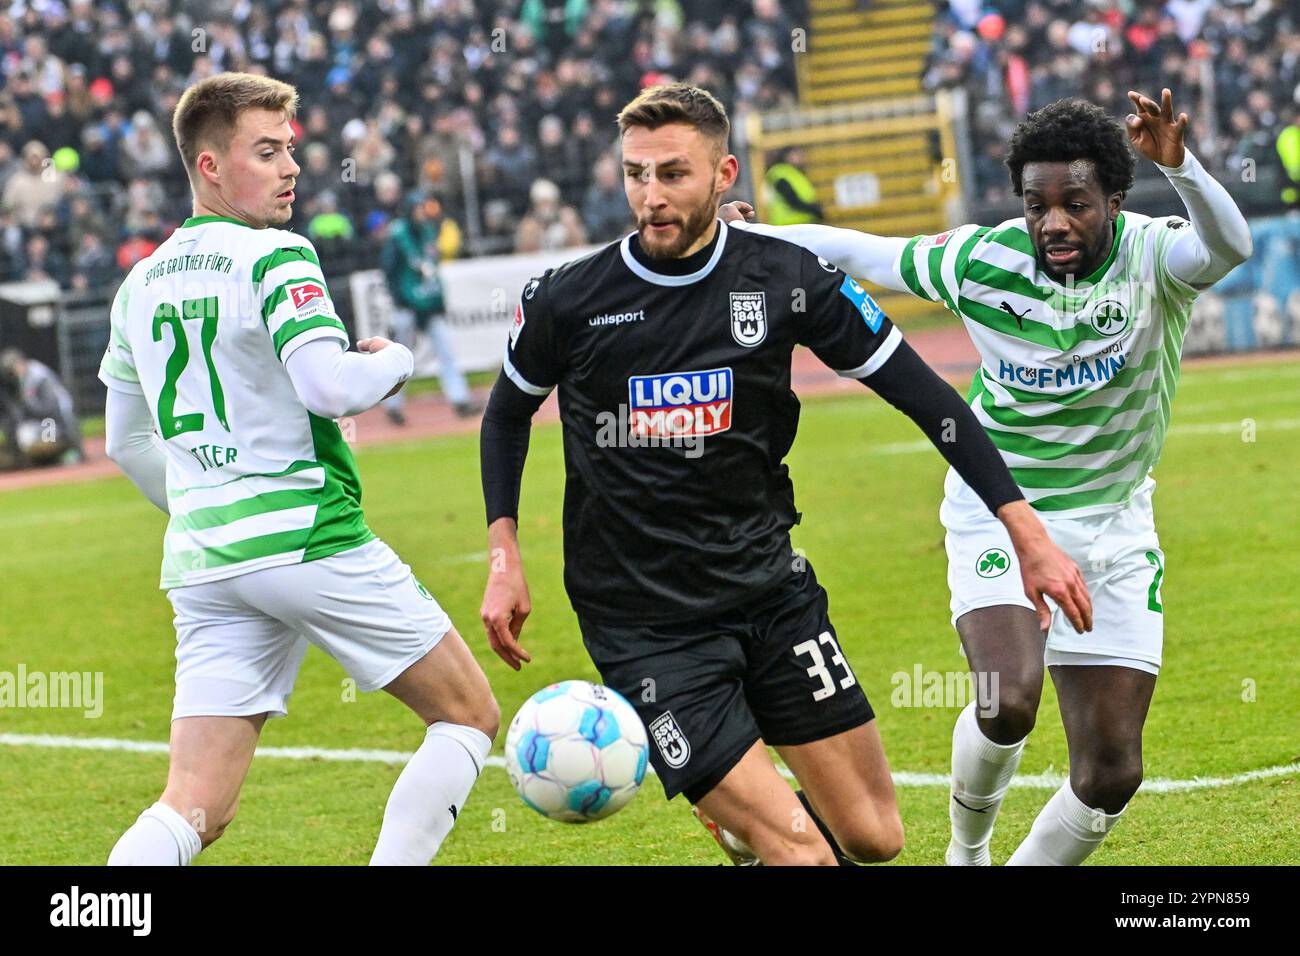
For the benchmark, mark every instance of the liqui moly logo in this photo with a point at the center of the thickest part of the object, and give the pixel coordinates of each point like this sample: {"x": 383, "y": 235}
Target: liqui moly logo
{"x": 680, "y": 404}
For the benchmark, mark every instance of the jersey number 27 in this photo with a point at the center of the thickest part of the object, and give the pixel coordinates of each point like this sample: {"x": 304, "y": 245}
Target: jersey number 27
{"x": 169, "y": 423}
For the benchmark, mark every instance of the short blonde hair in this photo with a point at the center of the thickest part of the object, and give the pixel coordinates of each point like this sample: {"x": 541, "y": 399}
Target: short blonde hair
{"x": 208, "y": 110}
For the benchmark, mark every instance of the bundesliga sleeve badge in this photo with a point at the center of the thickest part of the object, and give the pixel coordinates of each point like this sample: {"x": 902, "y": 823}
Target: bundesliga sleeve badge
{"x": 309, "y": 299}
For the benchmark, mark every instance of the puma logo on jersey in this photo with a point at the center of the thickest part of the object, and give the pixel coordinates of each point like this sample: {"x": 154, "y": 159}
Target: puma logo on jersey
{"x": 1019, "y": 316}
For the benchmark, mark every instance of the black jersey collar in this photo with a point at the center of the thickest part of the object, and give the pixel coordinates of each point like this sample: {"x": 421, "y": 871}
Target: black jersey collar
{"x": 701, "y": 263}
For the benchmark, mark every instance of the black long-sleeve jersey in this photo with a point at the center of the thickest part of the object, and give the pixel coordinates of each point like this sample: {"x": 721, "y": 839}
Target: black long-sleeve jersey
{"x": 676, "y": 409}
{"x": 677, "y": 412}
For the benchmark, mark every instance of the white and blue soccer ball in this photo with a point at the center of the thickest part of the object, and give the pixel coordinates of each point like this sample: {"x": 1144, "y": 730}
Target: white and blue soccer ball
{"x": 576, "y": 751}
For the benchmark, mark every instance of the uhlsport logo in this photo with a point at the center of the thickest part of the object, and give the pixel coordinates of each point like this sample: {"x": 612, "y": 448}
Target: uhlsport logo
{"x": 670, "y": 740}
{"x": 749, "y": 317}
{"x": 617, "y": 318}
{"x": 680, "y": 404}
{"x": 992, "y": 563}
{"x": 1110, "y": 318}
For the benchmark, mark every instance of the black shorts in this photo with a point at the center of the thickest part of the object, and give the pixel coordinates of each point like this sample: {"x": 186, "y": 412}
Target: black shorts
{"x": 708, "y": 689}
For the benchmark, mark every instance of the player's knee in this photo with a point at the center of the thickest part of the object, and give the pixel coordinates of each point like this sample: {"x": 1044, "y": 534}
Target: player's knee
{"x": 1013, "y": 716}
{"x": 209, "y": 822}
{"x": 480, "y": 711}
{"x": 1108, "y": 780}
{"x": 488, "y": 716}
{"x": 875, "y": 841}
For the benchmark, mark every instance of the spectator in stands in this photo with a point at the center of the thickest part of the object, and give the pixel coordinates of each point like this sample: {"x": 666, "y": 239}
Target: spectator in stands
{"x": 35, "y": 187}
{"x": 41, "y": 426}
{"x": 319, "y": 173}
{"x": 82, "y": 217}
{"x": 61, "y": 130}
{"x": 93, "y": 266}
{"x": 140, "y": 242}
{"x": 8, "y": 164}
{"x": 329, "y": 226}
{"x": 511, "y": 168}
{"x": 145, "y": 153}
{"x": 42, "y": 262}
{"x": 99, "y": 157}
{"x": 413, "y": 84}
{"x": 549, "y": 223}
{"x": 373, "y": 152}
{"x": 1239, "y": 55}
{"x": 559, "y": 156}
{"x": 790, "y": 196}
{"x": 604, "y": 210}
{"x": 416, "y": 245}
{"x": 1288, "y": 151}
{"x": 387, "y": 207}
{"x": 144, "y": 201}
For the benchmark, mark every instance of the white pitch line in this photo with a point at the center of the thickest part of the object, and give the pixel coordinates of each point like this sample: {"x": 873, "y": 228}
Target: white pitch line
{"x": 903, "y": 778}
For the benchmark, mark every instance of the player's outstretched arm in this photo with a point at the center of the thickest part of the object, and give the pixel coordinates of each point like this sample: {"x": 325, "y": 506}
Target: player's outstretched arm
{"x": 506, "y": 603}
{"x": 333, "y": 383}
{"x": 129, "y": 440}
{"x": 1219, "y": 239}
{"x": 861, "y": 254}
{"x": 503, "y": 449}
{"x": 911, "y": 386}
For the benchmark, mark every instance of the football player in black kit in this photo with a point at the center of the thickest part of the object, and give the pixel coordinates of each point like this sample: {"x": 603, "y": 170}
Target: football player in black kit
{"x": 672, "y": 353}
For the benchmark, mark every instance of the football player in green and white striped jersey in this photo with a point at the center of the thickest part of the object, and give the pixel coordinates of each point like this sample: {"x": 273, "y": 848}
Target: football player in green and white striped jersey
{"x": 1078, "y": 310}
{"x": 226, "y": 367}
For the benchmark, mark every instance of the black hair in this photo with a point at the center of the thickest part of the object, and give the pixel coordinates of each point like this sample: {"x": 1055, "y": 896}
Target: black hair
{"x": 1069, "y": 130}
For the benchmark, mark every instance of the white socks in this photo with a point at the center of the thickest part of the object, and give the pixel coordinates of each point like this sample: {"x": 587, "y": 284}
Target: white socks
{"x": 1064, "y": 833}
{"x": 160, "y": 837}
{"x": 429, "y": 794}
{"x": 981, "y": 774}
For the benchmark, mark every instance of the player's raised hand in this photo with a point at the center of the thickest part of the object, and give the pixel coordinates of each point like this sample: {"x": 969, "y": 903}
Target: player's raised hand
{"x": 734, "y": 211}
{"x": 506, "y": 604}
{"x": 1153, "y": 130}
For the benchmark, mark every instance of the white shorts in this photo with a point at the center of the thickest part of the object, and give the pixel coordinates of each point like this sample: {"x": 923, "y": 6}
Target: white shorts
{"x": 240, "y": 641}
{"x": 1118, "y": 553}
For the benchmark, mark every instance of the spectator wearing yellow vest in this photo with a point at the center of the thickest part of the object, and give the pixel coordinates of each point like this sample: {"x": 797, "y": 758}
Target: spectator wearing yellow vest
{"x": 1288, "y": 149}
{"x": 789, "y": 194}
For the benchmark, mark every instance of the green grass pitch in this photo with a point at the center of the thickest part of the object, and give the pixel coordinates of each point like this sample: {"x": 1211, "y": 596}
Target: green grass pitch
{"x": 78, "y": 579}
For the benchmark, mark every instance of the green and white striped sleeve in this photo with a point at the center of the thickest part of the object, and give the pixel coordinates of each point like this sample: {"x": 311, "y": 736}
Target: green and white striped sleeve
{"x": 932, "y": 267}
{"x": 117, "y": 368}
{"x": 295, "y": 301}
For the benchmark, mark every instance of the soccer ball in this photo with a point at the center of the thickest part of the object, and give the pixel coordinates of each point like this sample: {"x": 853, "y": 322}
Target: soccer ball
{"x": 576, "y": 751}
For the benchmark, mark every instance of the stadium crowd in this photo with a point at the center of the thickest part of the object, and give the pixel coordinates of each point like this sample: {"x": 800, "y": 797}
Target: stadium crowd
{"x": 398, "y": 97}
{"x": 1238, "y": 58}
